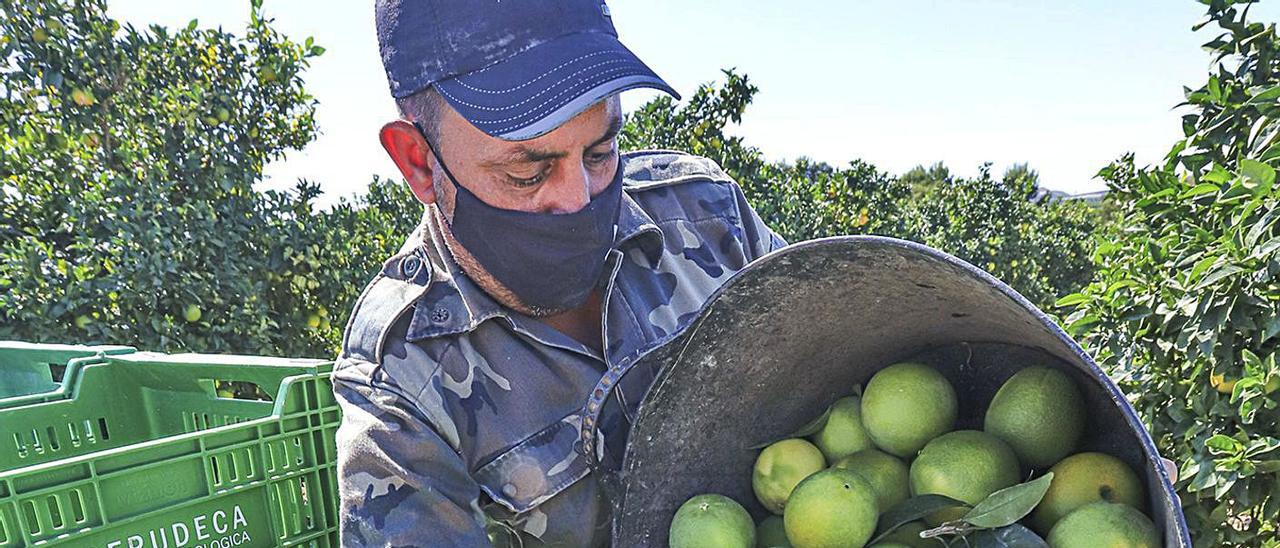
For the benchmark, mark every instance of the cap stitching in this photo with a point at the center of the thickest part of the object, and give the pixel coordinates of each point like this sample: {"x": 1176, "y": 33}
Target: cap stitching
{"x": 536, "y": 111}
{"x": 562, "y": 65}
{"x": 534, "y": 96}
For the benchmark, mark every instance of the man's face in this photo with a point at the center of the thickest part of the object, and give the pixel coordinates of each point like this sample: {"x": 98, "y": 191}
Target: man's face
{"x": 556, "y": 173}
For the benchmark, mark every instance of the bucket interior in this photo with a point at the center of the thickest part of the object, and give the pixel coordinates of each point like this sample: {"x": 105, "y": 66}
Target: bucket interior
{"x": 801, "y": 328}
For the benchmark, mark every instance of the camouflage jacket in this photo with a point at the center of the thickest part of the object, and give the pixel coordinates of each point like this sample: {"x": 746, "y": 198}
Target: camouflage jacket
{"x": 459, "y": 413}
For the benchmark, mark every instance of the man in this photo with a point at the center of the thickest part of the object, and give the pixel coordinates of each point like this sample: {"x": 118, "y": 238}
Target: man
{"x": 545, "y": 262}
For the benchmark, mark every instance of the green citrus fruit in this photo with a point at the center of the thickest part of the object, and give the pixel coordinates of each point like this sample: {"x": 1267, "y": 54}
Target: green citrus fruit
{"x": 833, "y": 508}
{"x": 39, "y": 35}
{"x": 771, "y": 534}
{"x": 887, "y": 475}
{"x": 712, "y": 521}
{"x": 909, "y": 535}
{"x": 843, "y": 434}
{"x": 906, "y": 405}
{"x": 83, "y": 321}
{"x": 192, "y": 313}
{"x": 1084, "y": 478}
{"x": 223, "y": 114}
{"x": 1040, "y": 413}
{"x": 313, "y": 321}
{"x": 780, "y": 467}
{"x": 966, "y": 465}
{"x": 1104, "y": 524}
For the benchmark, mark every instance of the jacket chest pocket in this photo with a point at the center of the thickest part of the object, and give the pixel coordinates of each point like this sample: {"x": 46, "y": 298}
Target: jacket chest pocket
{"x": 536, "y": 469}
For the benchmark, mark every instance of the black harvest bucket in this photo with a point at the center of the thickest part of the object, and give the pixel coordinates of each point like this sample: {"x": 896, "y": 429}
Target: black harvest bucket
{"x": 798, "y": 329}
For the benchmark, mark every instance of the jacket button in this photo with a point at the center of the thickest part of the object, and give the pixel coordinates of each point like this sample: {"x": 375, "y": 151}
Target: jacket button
{"x": 440, "y": 315}
{"x": 409, "y": 266}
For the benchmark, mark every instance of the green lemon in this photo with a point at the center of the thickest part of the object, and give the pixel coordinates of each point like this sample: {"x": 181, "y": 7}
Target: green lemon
{"x": 966, "y": 465}
{"x": 712, "y": 521}
{"x": 780, "y": 467}
{"x": 905, "y": 405}
{"x": 843, "y": 434}
{"x": 1040, "y": 413}
{"x": 191, "y": 313}
{"x": 1104, "y": 524}
{"x": 887, "y": 474}
{"x": 833, "y": 508}
{"x": 1084, "y": 478}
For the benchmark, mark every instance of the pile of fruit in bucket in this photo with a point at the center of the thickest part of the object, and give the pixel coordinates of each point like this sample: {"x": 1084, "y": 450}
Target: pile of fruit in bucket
{"x": 885, "y": 468}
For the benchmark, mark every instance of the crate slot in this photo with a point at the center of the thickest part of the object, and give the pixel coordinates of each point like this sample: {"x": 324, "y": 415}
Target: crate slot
{"x": 33, "y": 517}
{"x": 77, "y": 505}
{"x": 36, "y": 446}
{"x": 88, "y": 432}
{"x": 53, "y": 438}
{"x": 102, "y": 428}
{"x": 55, "y": 512}
{"x": 217, "y": 473}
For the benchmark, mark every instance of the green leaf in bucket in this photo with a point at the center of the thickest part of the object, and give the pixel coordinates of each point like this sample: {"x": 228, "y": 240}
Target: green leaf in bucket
{"x": 1012, "y": 536}
{"x": 806, "y": 430}
{"x": 1008, "y": 505}
{"x": 910, "y": 510}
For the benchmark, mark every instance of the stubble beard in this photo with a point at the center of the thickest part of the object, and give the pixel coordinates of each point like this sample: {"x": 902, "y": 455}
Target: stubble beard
{"x": 472, "y": 267}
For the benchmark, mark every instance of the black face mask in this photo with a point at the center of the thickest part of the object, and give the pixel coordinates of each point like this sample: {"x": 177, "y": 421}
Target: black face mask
{"x": 551, "y": 262}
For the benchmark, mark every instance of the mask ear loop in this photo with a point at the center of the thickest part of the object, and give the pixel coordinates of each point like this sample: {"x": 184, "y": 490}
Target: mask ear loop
{"x": 439, "y": 160}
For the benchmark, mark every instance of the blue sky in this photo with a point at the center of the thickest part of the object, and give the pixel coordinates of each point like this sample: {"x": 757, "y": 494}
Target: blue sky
{"x": 1064, "y": 86}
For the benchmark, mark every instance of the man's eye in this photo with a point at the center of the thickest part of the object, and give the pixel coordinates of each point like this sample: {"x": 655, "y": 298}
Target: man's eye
{"x": 532, "y": 181}
{"x": 600, "y": 158}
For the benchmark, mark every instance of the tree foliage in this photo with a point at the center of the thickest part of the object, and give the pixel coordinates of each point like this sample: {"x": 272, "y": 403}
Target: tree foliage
{"x": 1183, "y": 310}
{"x": 127, "y": 209}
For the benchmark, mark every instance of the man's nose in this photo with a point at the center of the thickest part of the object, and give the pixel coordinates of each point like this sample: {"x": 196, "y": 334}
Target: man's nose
{"x": 568, "y": 193}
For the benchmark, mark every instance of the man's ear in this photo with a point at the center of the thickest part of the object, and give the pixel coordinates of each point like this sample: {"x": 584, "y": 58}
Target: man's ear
{"x": 409, "y": 151}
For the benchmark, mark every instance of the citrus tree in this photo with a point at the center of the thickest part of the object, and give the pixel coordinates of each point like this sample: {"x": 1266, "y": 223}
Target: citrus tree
{"x": 127, "y": 163}
{"x": 1185, "y": 308}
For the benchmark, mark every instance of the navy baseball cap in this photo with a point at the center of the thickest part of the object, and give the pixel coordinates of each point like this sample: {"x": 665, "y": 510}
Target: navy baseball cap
{"x": 515, "y": 69}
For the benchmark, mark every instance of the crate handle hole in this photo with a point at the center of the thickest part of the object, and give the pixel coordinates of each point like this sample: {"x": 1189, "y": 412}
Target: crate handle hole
{"x": 239, "y": 390}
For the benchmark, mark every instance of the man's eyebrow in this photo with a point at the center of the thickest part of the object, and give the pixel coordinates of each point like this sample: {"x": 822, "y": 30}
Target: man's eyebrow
{"x": 523, "y": 154}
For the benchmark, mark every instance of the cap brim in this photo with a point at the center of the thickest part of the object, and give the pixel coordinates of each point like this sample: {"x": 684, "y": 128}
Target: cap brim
{"x": 537, "y": 90}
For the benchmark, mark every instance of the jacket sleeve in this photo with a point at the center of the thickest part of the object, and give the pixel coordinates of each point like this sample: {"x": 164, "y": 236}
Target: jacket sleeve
{"x": 400, "y": 483}
{"x": 760, "y": 239}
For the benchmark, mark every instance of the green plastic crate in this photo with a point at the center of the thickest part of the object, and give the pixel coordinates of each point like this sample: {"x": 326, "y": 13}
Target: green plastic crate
{"x": 146, "y": 454}
{"x": 32, "y": 372}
